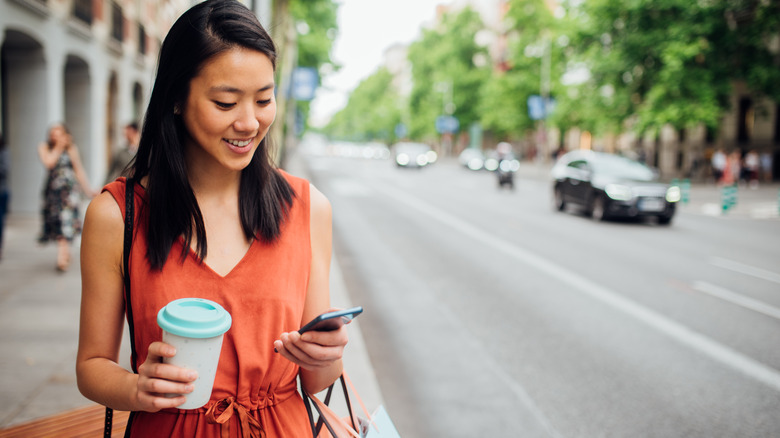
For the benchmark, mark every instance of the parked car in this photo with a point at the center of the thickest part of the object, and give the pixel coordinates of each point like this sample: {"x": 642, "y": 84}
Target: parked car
{"x": 611, "y": 186}
{"x": 409, "y": 154}
{"x": 472, "y": 158}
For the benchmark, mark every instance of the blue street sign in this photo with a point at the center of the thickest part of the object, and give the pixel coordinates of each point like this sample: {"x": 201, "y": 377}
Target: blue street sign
{"x": 447, "y": 125}
{"x": 538, "y": 108}
{"x": 400, "y": 130}
{"x": 304, "y": 83}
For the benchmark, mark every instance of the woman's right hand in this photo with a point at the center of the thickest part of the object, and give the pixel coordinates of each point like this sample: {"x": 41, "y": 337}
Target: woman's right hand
{"x": 155, "y": 379}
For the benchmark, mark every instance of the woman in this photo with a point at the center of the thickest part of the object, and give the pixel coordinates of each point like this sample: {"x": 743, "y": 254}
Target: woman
{"x": 214, "y": 220}
{"x": 61, "y": 197}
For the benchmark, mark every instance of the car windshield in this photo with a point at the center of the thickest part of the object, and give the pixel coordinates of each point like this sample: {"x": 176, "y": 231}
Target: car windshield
{"x": 624, "y": 168}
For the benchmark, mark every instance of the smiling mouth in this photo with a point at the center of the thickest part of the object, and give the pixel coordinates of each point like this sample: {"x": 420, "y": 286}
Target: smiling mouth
{"x": 239, "y": 143}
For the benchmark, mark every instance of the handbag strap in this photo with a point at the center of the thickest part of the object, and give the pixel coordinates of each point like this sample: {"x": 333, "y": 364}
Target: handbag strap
{"x": 128, "y": 243}
{"x": 322, "y": 407}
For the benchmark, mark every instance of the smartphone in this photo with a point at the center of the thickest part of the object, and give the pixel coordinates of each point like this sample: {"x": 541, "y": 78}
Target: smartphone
{"x": 331, "y": 320}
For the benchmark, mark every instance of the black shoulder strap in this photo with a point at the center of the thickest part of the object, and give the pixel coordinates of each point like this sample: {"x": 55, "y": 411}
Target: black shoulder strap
{"x": 128, "y": 243}
{"x": 129, "y": 222}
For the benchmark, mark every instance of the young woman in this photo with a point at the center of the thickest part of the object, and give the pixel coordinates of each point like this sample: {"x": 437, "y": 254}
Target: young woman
{"x": 61, "y": 197}
{"x": 214, "y": 220}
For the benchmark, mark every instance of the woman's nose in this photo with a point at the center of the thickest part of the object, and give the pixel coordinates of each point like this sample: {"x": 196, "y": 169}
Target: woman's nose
{"x": 246, "y": 119}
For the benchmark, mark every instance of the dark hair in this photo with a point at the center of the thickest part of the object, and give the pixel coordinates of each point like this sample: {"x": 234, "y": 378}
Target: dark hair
{"x": 204, "y": 31}
{"x": 132, "y": 125}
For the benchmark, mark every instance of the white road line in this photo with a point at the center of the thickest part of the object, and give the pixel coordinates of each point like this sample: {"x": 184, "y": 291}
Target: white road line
{"x": 735, "y": 298}
{"x": 719, "y": 352}
{"x": 745, "y": 269}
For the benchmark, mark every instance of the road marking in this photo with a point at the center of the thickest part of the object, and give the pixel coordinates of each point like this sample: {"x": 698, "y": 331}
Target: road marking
{"x": 715, "y": 350}
{"x": 735, "y": 298}
{"x": 745, "y": 269}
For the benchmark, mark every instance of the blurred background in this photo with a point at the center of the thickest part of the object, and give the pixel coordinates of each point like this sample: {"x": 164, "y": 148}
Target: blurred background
{"x": 458, "y": 142}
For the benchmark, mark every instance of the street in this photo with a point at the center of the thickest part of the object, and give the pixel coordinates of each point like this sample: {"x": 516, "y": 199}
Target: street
{"x": 487, "y": 313}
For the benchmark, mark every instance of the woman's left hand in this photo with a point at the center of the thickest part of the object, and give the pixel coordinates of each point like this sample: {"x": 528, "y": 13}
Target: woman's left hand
{"x": 313, "y": 349}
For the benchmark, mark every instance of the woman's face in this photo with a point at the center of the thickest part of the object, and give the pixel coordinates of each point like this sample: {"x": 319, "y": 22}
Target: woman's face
{"x": 56, "y": 134}
{"x": 229, "y": 109}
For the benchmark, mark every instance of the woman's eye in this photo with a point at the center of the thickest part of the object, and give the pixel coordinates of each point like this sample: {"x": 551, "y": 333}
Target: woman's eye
{"x": 264, "y": 102}
{"x": 224, "y": 105}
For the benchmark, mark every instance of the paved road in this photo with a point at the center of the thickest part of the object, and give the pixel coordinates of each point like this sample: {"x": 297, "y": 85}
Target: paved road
{"x": 489, "y": 314}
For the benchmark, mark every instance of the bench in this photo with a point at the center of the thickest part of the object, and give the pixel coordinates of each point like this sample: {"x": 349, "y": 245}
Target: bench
{"x": 84, "y": 422}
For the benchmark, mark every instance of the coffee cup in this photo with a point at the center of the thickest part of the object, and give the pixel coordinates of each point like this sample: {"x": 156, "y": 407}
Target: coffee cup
{"x": 195, "y": 327}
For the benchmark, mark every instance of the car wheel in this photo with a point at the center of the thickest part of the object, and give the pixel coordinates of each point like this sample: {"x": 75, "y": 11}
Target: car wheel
{"x": 559, "y": 202}
{"x": 598, "y": 209}
{"x": 664, "y": 220}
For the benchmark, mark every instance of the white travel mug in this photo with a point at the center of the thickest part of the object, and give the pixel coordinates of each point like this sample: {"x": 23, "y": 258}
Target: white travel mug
{"x": 195, "y": 327}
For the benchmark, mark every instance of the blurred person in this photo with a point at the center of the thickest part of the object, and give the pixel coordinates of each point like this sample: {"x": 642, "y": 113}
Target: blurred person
{"x": 5, "y": 166}
{"x": 61, "y": 196}
{"x": 215, "y": 220}
{"x": 718, "y": 165}
{"x": 752, "y": 166}
{"x": 766, "y": 166}
{"x": 733, "y": 168}
{"x": 125, "y": 155}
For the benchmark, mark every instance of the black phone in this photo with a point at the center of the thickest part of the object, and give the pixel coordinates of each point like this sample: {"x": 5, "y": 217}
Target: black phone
{"x": 331, "y": 320}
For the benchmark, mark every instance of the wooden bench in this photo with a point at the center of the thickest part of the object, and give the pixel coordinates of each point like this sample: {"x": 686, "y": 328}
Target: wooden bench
{"x": 84, "y": 422}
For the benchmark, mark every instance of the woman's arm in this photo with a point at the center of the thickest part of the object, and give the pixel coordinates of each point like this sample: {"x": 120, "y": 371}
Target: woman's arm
{"x": 317, "y": 353}
{"x": 78, "y": 168}
{"x": 49, "y": 157}
{"x": 100, "y": 378}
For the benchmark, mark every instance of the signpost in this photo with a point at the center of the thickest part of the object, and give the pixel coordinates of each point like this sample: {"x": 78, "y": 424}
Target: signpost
{"x": 304, "y": 83}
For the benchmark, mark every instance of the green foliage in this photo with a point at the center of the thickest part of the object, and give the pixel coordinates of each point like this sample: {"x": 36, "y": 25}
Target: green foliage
{"x": 674, "y": 61}
{"x": 315, "y": 21}
{"x": 443, "y": 67}
{"x": 372, "y": 112}
{"x": 649, "y": 63}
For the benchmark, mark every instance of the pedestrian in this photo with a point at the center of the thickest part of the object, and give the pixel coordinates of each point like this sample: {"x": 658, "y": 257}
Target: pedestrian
{"x": 718, "y": 165}
{"x": 766, "y": 166}
{"x": 752, "y": 166}
{"x": 215, "y": 220}
{"x": 125, "y": 155}
{"x": 5, "y": 165}
{"x": 61, "y": 196}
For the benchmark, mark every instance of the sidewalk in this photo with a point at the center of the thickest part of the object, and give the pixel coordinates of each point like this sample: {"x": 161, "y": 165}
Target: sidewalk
{"x": 39, "y": 318}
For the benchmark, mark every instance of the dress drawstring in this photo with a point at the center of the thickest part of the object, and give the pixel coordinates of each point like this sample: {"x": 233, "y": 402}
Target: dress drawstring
{"x": 221, "y": 411}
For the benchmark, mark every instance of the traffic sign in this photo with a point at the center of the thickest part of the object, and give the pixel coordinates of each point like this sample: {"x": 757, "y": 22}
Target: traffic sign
{"x": 447, "y": 125}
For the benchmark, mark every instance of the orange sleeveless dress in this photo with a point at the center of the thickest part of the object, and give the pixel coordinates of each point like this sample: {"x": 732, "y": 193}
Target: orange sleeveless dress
{"x": 255, "y": 389}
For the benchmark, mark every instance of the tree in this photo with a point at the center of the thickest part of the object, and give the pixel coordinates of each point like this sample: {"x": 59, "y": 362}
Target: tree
{"x": 675, "y": 61}
{"x": 443, "y": 69}
{"x": 316, "y": 26}
{"x": 372, "y": 111}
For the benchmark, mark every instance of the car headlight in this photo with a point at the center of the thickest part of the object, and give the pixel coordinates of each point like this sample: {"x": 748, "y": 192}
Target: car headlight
{"x": 475, "y": 164}
{"x": 431, "y": 156}
{"x": 422, "y": 160}
{"x": 402, "y": 159}
{"x": 491, "y": 164}
{"x": 619, "y": 192}
{"x": 673, "y": 194}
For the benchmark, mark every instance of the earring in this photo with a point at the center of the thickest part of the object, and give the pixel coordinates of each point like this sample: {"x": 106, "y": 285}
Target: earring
{"x": 176, "y": 110}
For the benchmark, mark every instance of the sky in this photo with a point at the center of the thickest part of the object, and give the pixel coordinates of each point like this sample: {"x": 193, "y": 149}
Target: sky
{"x": 366, "y": 29}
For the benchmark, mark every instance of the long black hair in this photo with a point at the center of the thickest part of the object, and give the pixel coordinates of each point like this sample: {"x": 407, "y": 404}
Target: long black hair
{"x": 265, "y": 197}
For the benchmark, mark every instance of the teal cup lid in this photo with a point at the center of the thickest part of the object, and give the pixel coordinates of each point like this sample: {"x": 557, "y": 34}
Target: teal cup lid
{"x": 194, "y": 318}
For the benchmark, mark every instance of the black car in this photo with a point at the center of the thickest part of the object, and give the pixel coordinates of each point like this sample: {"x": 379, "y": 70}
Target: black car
{"x": 612, "y": 186}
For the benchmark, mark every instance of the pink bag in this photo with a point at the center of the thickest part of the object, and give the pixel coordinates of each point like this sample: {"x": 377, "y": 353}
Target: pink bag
{"x": 378, "y": 425}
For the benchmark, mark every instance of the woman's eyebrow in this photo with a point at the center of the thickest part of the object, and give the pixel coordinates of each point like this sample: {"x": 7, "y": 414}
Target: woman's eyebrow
{"x": 229, "y": 89}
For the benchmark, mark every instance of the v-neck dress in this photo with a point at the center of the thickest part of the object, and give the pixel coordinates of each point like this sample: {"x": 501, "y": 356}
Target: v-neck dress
{"x": 255, "y": 388}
